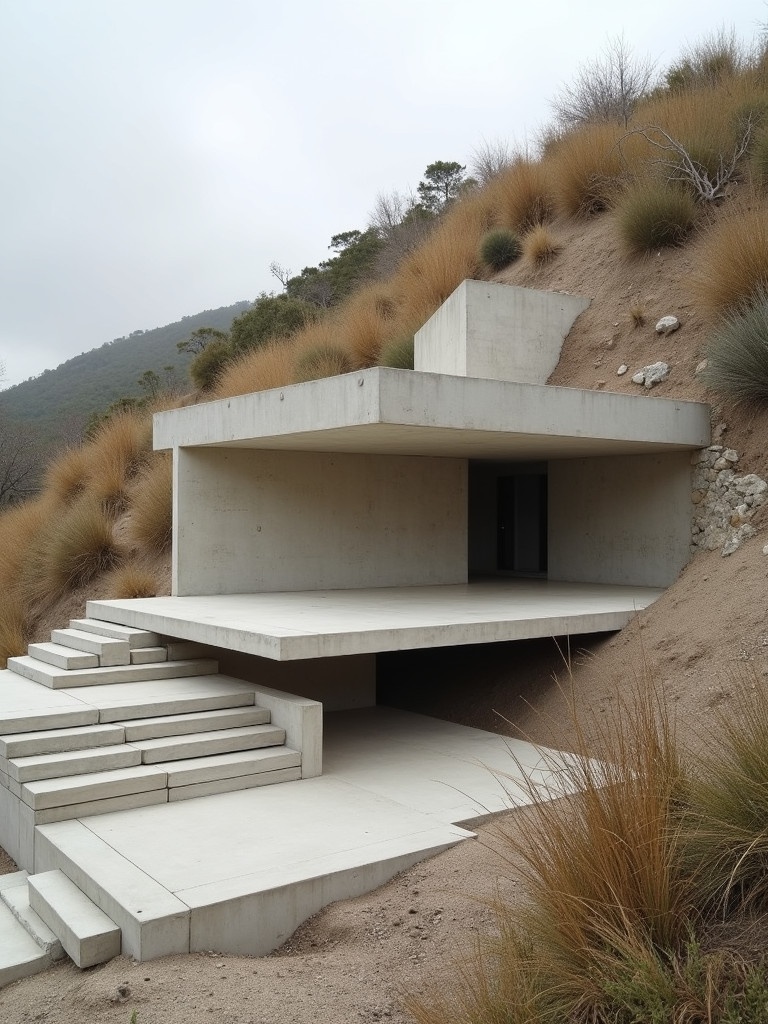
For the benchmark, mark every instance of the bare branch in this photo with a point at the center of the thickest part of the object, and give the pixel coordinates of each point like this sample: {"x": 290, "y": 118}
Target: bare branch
{"x": 681, "y": 166}
{"x": 283, "y": 274}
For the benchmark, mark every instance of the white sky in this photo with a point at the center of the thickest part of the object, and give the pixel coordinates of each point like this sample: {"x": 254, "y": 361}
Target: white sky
{"x": 157, "y": 155}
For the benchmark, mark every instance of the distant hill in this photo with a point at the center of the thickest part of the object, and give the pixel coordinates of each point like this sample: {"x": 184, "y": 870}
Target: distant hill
{"x": 90, "y": 382}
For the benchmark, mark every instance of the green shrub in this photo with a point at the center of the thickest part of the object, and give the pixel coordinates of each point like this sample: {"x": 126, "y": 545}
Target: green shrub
{"x": 322, "y": 361}
{"x": 500, "y": 248}
{"x": 654, "y": 214}
{"x": 270, "y": 317}
{"x": 398, "y": 353}
{"x": 207, "y": 365}
{"x": 737, "y": 355}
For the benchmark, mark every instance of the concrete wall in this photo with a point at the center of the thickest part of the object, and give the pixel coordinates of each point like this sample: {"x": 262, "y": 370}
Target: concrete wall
{"x": 620, "y": 519}
{"x": 338, "y": 683}
{"x": 259, "y": 521}
{"x": 497, "y": 331}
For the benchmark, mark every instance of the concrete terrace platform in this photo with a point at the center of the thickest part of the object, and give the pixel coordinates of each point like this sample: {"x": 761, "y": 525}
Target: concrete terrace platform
{"x": 329, "y": 623}
{"x": 238, "y": 872}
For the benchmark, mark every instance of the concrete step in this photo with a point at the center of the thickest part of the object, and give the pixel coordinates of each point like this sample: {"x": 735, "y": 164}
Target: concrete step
{"x": 178, "y": 696}
{"x": 202, "y": 721}
{"x": 61, "y": 679}
{"x": 148, "y": 655}
{"x": 86, "y": 933}
{"x": 62, "y": 657}
{"x": 72, "y": 762}
{"x": 172, "y": 748}
{"x": 108, "y": 650}
{"x": 237, "y": 763}
{"x": 20, "y": 955}
{"x": 25, "y": 720}
{"x": 80, "y": 789}
{"x": 53, "y": 741}
{"x": 135, "y": 637}
{"x": 14, "y": 893}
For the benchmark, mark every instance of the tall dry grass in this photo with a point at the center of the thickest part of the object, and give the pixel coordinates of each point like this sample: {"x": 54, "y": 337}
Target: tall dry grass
{"x": 67, "y": 476}
{"x": 115, "y": 455}
{"x": 150, "y": 524}
{"x": 269, "y": 367}
{"x": 589, "y": 166}
{"x": 522, "y": 196}
{"x": 730, "y": 264}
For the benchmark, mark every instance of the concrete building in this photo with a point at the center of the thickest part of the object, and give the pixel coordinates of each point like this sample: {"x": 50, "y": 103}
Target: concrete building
{"x": 314, "y": 527}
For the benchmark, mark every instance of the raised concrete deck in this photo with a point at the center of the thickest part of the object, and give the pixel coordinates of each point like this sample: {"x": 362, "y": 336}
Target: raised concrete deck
{"x": 329, "y": 623}
{"x": 238, "y": 872}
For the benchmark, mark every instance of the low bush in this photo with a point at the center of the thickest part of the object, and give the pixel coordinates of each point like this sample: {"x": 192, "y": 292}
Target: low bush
{"x": 499, "y": 248}
{"x": 207, "y": 365}
{"x": 398, "y": 354}
{"x": 323, "y": 361}
{"x": 541, "y": 245}
{"x": 730, "y": 266}
{"x": 653, "y": 214}
{"x": 737, "y": 354}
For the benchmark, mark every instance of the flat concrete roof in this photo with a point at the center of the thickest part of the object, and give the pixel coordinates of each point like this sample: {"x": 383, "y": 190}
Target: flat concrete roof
{"x": 329, "y": 623}
{"x": 403, "y": 412}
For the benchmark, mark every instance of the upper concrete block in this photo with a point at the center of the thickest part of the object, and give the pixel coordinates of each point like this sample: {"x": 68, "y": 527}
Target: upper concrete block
{"x": 398, "y": 412}
{"x": 497, "y": 331}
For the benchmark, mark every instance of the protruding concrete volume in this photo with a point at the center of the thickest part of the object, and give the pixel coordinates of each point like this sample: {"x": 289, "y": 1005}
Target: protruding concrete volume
{"x": 86, "y": 933}
{"x": 497, "y": 331}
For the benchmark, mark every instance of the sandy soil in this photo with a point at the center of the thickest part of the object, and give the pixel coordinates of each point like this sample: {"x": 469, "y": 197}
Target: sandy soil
{"x": 704, "y": 644}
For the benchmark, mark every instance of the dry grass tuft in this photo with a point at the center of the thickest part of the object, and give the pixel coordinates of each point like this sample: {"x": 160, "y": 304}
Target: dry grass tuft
{"x": 651, "y": 214}
{"x": 362, "y": 325}
{"x": 268, "y": 367}
{"x": 115, "y": 455}
{"x": 127, "y": 582}
{"x": 13, "y": 629}
{"x": 587, "y": 168}
{"x": 67, "y": 475}
{"x": 323, "y": 361}
{"x": 731, "y": 262}
{"x": 20, "y": 528}
{"x": 151, "y": 520}
{"x": 540, "y": 245}
{"x": 523, "y": 196}
{"x": 70, "y": 551}
{"x": 637, "y": 314}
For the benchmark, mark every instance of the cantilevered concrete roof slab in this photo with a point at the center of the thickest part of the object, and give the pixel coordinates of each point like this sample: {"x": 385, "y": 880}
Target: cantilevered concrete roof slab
{"x": 401, "y": 412}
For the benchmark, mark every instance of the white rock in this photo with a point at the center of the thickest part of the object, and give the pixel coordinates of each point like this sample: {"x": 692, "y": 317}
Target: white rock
{"x": 765, "y": 549}
{"x": 667, "y": 325}
{"x": 650, "y": 375}
{"x": 622, "y": 370}
{"x": 701, "y": 367}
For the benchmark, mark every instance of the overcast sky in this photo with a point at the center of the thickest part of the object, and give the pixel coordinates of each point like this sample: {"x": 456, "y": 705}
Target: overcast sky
{"x": 157, "y": 155}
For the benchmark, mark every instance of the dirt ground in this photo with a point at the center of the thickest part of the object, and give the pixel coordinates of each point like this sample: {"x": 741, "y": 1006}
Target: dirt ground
{"x": 704, "y": 644}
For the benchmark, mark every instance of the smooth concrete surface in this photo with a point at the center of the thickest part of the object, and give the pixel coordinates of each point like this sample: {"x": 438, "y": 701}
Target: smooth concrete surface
{"x": 319, "y": 624}
{"x": 137, "y": 638}
{"x": 16, "y": 898}
{"x": 61, "y": 679}
{"x": 62, "y": 657}
{"x": 20, "y": 956}
{"x": 619, "y": 520}
{"x": 237, "y": 872}
{"x": 497, "y": 331}
{"x": 86, "y": 933}
{"x": 52, "y": 741}
{"x": 274, "y": 521}
{"x": 399, "y": 412}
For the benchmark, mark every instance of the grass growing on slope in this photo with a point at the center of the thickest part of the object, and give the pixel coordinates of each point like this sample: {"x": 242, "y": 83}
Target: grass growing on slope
{"x": 731, "y": 263}
{"x": 151, "y": 519}
{"x": 653, "y": 214}
{"x": 737, "y": 354}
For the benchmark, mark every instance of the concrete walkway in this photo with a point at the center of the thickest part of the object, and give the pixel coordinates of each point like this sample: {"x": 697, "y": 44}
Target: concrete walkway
{"x": 238, "y": 872}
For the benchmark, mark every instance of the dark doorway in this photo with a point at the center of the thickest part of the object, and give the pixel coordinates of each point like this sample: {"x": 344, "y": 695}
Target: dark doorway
{"x": 507, "y": 518}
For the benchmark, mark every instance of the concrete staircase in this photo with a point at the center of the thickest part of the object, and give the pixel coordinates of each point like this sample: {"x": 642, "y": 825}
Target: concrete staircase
{"x": 136, "y": 720}
{"x": 164, "y": 726}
